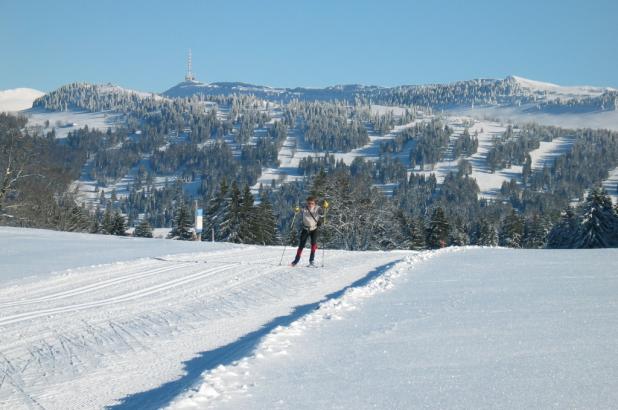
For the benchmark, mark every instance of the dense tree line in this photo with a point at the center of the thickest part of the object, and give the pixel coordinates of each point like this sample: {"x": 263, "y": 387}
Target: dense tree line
{"x": 331, "y": 127}
{"x": 35, "y": 176}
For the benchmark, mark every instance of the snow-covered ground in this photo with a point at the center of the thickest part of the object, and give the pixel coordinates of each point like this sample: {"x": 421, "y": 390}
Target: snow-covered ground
{"x": 18, "y": 99}
{"x": 601, "y": 119}
{"x": 482, "y": 328}
{"x": 145, "y": 323}
{"x": 551, "y": 91}
{"x": 92, "y": 335}
{"x": 66, "y": 121}
{"x": 611, "y": 185}
{"x": 547, "y": 153}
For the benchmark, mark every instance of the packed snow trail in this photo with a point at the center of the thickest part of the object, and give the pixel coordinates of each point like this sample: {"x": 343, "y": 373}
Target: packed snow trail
{"x": 483, "y": 328}
{"x": 88, "y": 337}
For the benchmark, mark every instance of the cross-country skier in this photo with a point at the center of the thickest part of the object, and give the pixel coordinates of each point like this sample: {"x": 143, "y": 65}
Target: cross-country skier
{"x": 311, "y": 220}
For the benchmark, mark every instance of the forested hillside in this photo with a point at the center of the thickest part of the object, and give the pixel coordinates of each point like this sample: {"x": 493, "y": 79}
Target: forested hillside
{"x": 398, "y": 176}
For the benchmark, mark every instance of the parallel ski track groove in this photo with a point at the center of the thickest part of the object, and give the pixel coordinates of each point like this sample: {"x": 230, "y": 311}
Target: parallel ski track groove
{"x": 120, "y": 298}
{"x": 93, "y": 286}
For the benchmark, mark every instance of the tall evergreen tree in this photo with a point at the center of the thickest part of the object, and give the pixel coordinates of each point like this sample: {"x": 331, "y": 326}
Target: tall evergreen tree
{"x": 536, "y": 232}
{"x": 247, "y": 232}
{"x": 266, "y": 224}
{"x": 487, "y": 235}
{"x": 564, "y": 231}
{"x": 183, "y": 222}
{"x": 119, "y": 224}
{"x": 512, "y": 231}
{"x": 230, "y": 225}
{"x": 417, "y": 234}
{"x": 599, "y": 223}
{"x": 215, "y": 213}
{"x": 437, "y": 234}
{"x": 107, "y": 226}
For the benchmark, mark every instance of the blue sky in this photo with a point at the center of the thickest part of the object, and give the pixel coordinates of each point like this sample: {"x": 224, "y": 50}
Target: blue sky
{"x": 143, "y": 44}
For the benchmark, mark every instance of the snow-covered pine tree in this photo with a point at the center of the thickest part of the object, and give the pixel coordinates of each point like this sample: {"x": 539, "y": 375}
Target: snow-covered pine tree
{"x": 107, "y": 226}
{"x": 457, "y": 234}
{"x": 564, "y": 231}
{"x": 183, "y": 222}
{"x": 266, "y": 223}
{"x": 215, "y": 212}
{"x": 438, "y": 231}
{"x": 247, "y": 231}
{"x": 598, "y": 222}
{"x": 417, "y": 234}
{"x": 143, "y": 229}
{"x": 78, "y": 220}
{"x": 230, "y": 224}
{"x": 119, "y": 224}
{"x": 536, "y": 231}
{"x": 512, "y": 231}
{"x": 95, "y": 226}
{"x": 487, "y": 234}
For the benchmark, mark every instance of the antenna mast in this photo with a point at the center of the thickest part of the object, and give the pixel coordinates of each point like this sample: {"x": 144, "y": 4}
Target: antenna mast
{"x": 189, "y": 76}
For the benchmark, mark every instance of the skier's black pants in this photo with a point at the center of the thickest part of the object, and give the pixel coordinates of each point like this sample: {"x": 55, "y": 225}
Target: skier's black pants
{"x": 304, "y": 235}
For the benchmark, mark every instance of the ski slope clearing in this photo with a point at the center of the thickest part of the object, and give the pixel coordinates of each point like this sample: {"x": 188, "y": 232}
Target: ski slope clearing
{"x": 489, "y": 182}
{"x": 611, "y": 185}
{"x": 482, "y": 328}
{"x": 64, "y": 122}
{"x": 595, "y": 120}
{"x": 93, "y": 336}
{"x": 547, "y": 153}
{"x": 18, "y": 99}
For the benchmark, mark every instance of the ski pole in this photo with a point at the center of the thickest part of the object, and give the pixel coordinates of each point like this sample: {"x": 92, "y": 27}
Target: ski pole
{"x": 325, "y": 205}
{"x": 296, "y": 211}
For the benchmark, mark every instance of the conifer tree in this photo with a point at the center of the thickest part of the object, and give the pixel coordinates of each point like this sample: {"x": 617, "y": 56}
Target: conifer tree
{"x": 512, "y": 231}
{"x": 248, "y": 221}
{"x": 143, "y": 230}
{"x": 95, "y": 226}
{"x": 266, "y": 232}
{"x": 536, "y": 232}
{"x": 217, "y": 207}
{"x": 417, "y": 234}
{"x": 107, "y": 226}
{"x": 119, "y": 224}
{"x": 437, "y": 234}
{"x": 563, "y": 232}
{"x": 230, "y": 225}
{"x": 598, "y": 227}
{"x": 183, "y": 223}
{"x": 487, "y": 235}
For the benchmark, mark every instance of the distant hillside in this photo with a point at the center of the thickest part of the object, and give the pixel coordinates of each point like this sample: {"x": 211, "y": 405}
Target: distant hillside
{"x": 532, "y": 96}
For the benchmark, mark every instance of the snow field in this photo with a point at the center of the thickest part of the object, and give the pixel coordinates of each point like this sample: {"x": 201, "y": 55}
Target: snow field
{"x": 483, "y": 328}
{"x": 547, "y": 153}
{"x": 90, "y": 336}
{"x": 94, "y": 120}
{"x": 224, "y": 383}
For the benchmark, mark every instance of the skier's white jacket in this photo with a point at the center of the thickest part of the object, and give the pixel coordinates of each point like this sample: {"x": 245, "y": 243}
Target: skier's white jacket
{"x": 311, "y": 217}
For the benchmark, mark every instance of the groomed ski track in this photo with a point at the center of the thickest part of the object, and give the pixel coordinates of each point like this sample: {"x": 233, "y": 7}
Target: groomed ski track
{"x": 97, "y": 336}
